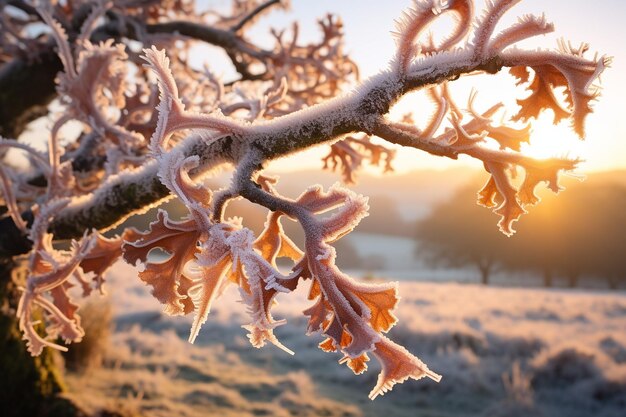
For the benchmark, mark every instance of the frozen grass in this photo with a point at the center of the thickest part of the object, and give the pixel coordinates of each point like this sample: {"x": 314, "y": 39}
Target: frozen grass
{"x": 502, "y": 352}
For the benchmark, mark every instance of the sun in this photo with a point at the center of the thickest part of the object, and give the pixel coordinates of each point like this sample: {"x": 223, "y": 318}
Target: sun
{"x": 548, "y": 140}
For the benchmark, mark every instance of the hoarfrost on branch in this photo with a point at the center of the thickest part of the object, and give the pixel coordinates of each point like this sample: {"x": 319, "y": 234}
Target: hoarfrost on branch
{"x": 154, "y": 127}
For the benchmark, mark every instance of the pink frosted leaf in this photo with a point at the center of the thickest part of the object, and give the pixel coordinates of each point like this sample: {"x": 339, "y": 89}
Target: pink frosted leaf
{"x": 180, "y": 240}
{"x": 566, "y": 68}
{"x": 346, "y": 218}
{"x": 34, "y": 342}
{"x": 415, "y": 20}
{"x": 50, "y": 275}
{"x": 526, "y": 27}
{"x": 509, "y": 137}
{"x": 106, "y": 252}
{"x": 59, "y": 324}
{"x": 487, "y": 195}
{"x": 509, "y": 210}
{"x": 62, "y": 301}
{"x": 398, "y": 365}
{"x": 204, "y": 290}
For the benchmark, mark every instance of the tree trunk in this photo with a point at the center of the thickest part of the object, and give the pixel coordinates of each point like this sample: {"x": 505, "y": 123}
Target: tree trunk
{"x": 28, "y": 385}
{"x": 26, "y": 88}
{"x": 484, "y": 275}
{"x": 547, "y": 278}
{"x": 613, "y": 282}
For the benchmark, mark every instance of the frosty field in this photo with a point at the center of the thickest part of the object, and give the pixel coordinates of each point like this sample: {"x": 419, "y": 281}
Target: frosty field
{"x": 501, "y": 351}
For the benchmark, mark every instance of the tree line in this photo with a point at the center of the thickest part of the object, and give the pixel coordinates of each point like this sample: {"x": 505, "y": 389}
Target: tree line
{"x": 581, "y": 233}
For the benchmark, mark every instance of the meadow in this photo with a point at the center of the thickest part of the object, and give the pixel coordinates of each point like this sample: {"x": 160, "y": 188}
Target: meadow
{"x": 502, "y": 351}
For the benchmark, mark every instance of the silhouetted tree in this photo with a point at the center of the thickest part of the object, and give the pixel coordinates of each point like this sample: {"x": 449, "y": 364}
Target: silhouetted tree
{"x": 580, "y": 233}
{"x": 587, "y": 241}
{"x": 461, "y": 235}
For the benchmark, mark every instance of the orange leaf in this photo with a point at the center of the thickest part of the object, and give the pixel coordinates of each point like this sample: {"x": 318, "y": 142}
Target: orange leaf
{"x": 380, "y": 300}
{"x": 358, "y": 364}
{"x": 179, "y": 239}
{"x": 397, "y": 365}
{"x": 106, "y": 251}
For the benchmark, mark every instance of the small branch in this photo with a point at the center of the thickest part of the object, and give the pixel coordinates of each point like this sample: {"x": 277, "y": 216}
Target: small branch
{"x": 405, "y": 138}
{"x": 253, "y": 14}
{"x": 19, "y": 105}
{"x": 360, "y": 111}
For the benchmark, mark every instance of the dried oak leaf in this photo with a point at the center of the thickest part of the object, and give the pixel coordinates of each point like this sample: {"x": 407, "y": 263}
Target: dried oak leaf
{"x": 105, "y": 252}
{"x": 398, "y": 365}
{"x": 204, "y": 290}
{"x": 274, "y": 243}
{"x": 549, "y": 174}
{"x": 166, "y": 278}
{"x": 541, "y": 96}
{"x": 261, "y": 283}
{"x": 509, "y": 137}
{"x": 566, "y": 69}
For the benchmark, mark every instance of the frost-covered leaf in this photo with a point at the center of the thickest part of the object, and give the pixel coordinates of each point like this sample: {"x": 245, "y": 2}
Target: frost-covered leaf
{"x": 179, "y": 239}
{"x": 416, "y": 19}
{"x": 541, "y": 98}
{"x": 380, "y": 301}
{"x": 346, "y": 218}
{"x": 358, "y": 365}
{"x": 509, "y": 137}
{"x": 105, "y": 252}
{"x": 274, "y": 243}
{"x": 203, "y": 291}
{"x": 50, "y": 272}
{"x": 260, "y": 289}
{"x": 398, "y": 365}
{"x": 487, "y": 195}
{"x": 549, "y": 174}
{"x": 566, "y": 69}
{"x": 509, "y": 209}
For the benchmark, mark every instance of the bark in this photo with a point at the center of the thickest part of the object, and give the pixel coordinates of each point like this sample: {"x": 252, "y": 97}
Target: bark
{"x": 26, "y": 89}
{"x": 485, "y": 272}
{"x": 613, "y": 282}
{"x": 547, "y": 278}
{"x": 572, "y": 280}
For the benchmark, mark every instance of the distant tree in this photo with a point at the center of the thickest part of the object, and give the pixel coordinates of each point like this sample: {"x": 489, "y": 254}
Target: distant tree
{"x": 459, "y": 235}
{"x": 541, "y": 247}
{"x": 583, "y": 233}
{"x": 607, "y": 237}
{"x": 149, "y": 126}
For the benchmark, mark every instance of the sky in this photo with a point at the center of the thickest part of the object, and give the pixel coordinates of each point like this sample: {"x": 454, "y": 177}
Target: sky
{"x": 368, "y": 25}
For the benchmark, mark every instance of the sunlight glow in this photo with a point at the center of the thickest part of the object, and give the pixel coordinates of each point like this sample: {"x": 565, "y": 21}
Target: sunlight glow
{"x": 548, "y": 140}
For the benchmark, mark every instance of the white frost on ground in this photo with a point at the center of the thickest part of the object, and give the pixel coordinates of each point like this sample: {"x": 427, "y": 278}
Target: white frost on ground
{"x": 502, "y": 352}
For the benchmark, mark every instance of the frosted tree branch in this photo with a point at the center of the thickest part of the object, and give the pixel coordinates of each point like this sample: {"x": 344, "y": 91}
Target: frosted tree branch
{"x": 158, "y": 141}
